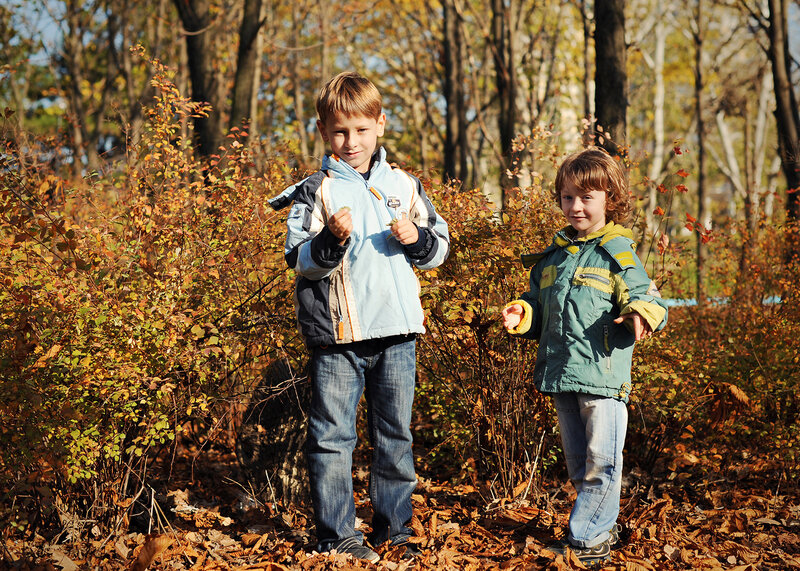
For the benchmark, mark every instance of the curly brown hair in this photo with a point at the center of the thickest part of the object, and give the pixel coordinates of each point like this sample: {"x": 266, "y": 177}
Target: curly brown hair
{"x": 594, "y": 169}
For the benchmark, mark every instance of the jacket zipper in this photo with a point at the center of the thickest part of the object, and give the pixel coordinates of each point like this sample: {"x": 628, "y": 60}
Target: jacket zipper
{"x": 601, "y": 279}
{"x": 607, "y": 347}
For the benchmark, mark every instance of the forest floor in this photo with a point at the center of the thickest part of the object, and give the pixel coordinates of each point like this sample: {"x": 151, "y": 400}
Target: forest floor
{"x": 722, "y": 511}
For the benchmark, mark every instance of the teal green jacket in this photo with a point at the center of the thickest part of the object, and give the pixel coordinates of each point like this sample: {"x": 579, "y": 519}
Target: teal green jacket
{"x": 578, "y": 286}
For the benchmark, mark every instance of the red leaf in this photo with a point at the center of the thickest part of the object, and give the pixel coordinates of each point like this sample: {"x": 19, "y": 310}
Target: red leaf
{"x": 658, "y": 211}
{"x": 682, "y": 173}
{"x": 681, "y": 188}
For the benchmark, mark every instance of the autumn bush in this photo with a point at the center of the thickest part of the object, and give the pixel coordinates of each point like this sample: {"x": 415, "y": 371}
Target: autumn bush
{"x": 725, "y": 374}
{"x": 488, "y": 420}
{"x": 132, "y": 303}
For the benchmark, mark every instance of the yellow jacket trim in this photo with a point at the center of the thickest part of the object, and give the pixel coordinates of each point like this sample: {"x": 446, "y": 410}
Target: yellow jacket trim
{"x": 651, "y": 312}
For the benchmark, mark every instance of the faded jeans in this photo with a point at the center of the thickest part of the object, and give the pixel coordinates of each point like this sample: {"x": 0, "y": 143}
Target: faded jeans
{"x": 593, "y": 435}
{"x": 385, "y": 370}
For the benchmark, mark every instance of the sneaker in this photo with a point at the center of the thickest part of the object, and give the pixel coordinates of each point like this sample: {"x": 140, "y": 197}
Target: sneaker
{"x": 411, "y": 551}
{"x": 357, "y": 549}
{"x": 588, "y": 555}
{"x": 613, "y": 535}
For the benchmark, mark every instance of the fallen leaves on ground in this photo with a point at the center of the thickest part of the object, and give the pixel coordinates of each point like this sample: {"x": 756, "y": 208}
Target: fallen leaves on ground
{"x": 743, "y": 520}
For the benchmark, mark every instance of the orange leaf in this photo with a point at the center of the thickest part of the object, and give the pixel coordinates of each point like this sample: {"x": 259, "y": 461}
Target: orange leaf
{"x": 682, "y": 173}
{"x": 152, "y": 549}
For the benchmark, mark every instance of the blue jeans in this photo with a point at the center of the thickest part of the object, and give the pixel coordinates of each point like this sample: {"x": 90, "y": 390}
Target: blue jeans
{"x": 592, "y": 434}
{"x": 385, "y": 370}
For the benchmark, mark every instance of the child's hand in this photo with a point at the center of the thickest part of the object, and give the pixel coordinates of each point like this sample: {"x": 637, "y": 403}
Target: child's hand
{"x": 641, "y": 329}
{"x": 512, "y": 315}
{"x": 404, "y": 230}
{"x": 341, "y": 224}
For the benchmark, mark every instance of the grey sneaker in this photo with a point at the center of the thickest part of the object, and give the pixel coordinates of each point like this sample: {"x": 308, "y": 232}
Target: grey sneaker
{"x": 588, "y": 555}
{"x": 357, "y": 549}
{"x": 613, "y": 533}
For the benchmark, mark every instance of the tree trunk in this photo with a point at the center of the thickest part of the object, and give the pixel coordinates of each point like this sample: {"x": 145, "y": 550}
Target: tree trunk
{"x": 658, "y": 118}
{"x": 271, "y": 436}
{"x": 84, "y": 140}
{"x": 699, "y": 95}
{"x": 298, "y": 90}
{"x": 324, "y": 66}
{"x": 506, "y": 79}
{"x": 586, "y": 20}
{"x": 787, "y": 116}
{"x": 455, "y": 154}
{"x": 243, "y": 109}
{"x": 611, "y": 78}
{"x": 196, "y": 21}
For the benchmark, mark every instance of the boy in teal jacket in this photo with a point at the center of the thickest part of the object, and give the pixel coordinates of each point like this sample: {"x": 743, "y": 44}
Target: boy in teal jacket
{"x": 590, "y": 299}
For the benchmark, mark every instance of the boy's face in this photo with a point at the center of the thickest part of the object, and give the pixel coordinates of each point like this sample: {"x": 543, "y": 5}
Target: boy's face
{"x": 585, "y": 209}
{"x": 353, "y": 139}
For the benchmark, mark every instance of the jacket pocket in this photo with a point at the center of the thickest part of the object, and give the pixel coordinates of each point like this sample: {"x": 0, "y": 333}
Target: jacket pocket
{"x": 597, "y": 278}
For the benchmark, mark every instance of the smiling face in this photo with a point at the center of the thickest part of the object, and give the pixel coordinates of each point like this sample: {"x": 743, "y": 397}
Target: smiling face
{"x": 585, "y": 209}
{"x": 354, "y": 138}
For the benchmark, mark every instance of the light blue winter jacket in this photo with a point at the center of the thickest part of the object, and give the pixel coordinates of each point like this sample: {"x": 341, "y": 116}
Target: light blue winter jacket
{"x": 366, "y": 288}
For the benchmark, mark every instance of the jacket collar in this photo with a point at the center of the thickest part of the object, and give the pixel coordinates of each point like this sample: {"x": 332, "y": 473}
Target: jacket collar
{"x": 567, "y": 236}
{"x": 340, "y": 169}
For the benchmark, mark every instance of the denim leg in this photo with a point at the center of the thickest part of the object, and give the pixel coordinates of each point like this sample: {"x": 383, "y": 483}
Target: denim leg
{"x": 390, "y": 394}
{"x": 593, "y": 436}
{"x": 337, "y": 382}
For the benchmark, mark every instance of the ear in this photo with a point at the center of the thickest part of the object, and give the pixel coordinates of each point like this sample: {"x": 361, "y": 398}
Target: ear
{"x": 381, "y": 124}
{"x": 322, "y": 131}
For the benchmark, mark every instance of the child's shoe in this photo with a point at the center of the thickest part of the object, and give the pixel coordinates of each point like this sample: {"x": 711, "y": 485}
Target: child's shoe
{"x": 587, "y": 555}
{"x": 353, "y": 547}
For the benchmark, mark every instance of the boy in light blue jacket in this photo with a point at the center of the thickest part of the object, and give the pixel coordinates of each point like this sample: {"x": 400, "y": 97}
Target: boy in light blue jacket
{"x": 356, "y": 230}
{"x": 590, "y": 300}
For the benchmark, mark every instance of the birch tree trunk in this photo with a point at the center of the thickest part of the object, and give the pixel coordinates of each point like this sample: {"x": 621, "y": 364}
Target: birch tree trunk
{"x": 657, "y": 165}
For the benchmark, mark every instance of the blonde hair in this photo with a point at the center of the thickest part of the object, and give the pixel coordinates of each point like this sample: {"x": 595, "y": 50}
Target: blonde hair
{"x": 594, "y": 169}
{"x": 349, "y": 94}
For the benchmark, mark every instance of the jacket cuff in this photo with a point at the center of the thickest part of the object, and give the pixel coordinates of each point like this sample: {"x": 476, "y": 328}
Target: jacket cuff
{"x": 326, "y": 250}
{"x": 421, "y": 249}
{"x": 653, "y": 313}
{"x": 526, "y": 319}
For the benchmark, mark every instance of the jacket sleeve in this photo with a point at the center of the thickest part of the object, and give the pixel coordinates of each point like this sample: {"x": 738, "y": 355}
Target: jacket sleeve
{"x": 635, "y": 291}
{"x": 433, "y": 245}
{"x": 311, "y": 248}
